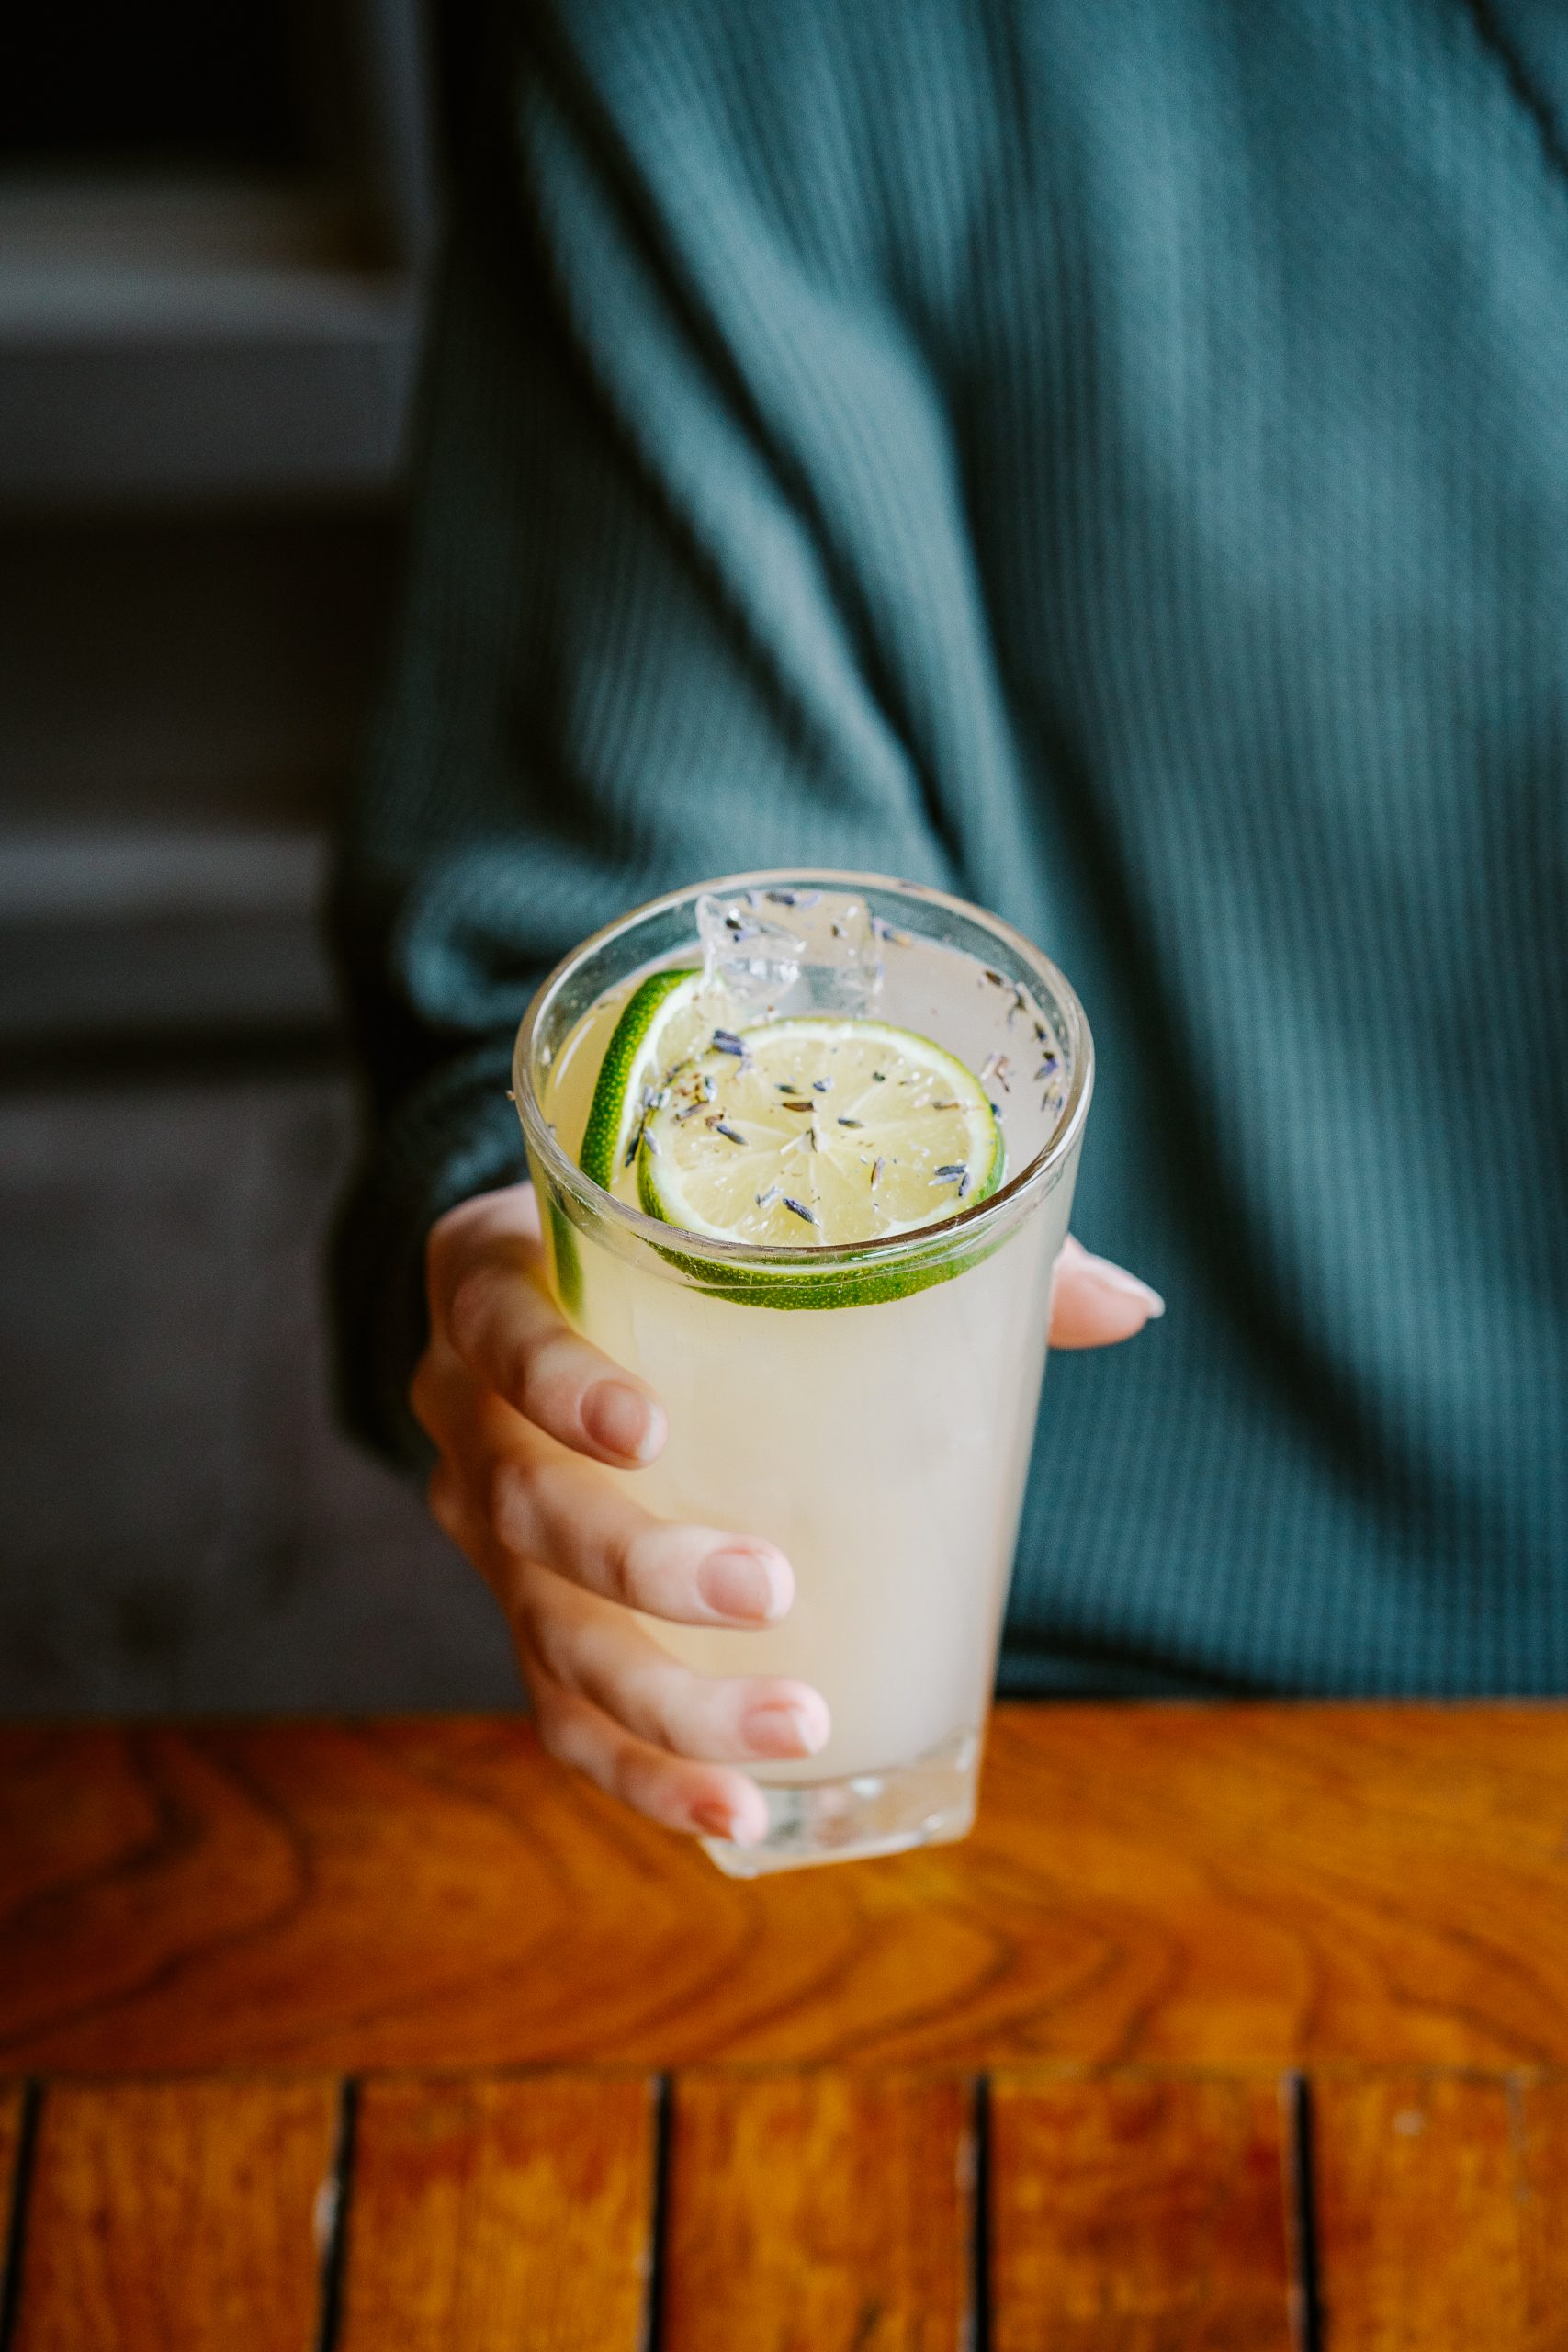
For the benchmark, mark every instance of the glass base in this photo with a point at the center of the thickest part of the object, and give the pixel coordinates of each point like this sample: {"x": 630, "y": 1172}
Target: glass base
{"x": 928, "y": 1803}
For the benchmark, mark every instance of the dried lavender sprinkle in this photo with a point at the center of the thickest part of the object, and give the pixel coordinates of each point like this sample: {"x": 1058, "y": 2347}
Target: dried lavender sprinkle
{"x": 951, "y": 1172}
{"x": 808, "y": 1213}
{"x": 729, "y": 1134}
{"x": 851, "y": 1123}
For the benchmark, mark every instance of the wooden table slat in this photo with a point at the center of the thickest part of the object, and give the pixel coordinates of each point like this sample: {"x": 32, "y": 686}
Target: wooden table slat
{"x": 1542, "y": 2148}
{"x": 828, "y": 2210}
{"x": 485, "y": 2215}
{"x": 1151, "y": 2214}
{"x": 182, "y": 2213}
{"x": 1211, "y": 1886}
{"x": 1419, "y": 2214}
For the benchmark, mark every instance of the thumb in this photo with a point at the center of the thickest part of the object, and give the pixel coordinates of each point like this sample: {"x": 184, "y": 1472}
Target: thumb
{"x": 1094, "y": 1302}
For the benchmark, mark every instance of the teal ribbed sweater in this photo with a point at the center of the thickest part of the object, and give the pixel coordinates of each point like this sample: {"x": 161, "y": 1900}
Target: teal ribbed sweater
{"x": 1112, "y": 462}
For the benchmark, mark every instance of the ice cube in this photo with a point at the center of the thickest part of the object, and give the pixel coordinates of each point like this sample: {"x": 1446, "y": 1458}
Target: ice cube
{"x": 787, "y": 951}
{"x": 748, "y": 955}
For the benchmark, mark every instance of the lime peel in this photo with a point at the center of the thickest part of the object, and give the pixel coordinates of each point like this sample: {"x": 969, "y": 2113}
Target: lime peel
{"x": 657, "y": 1028}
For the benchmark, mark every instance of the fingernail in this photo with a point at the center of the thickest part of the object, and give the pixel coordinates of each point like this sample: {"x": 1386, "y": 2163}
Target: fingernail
{"x": 621, "y": 1419}
{"x": 744, "y": 1583}
{"x": 711, "y": 1819}
{"x": 1116, "y": 1278}
{"x": 781, "y": 1727}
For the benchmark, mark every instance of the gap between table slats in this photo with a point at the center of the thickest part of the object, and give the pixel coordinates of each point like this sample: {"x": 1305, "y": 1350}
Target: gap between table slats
{"x": 18, "y": 2127}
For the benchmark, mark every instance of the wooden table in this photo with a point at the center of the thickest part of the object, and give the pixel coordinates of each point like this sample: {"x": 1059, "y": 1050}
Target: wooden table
{"x": 1231, "y": 2028}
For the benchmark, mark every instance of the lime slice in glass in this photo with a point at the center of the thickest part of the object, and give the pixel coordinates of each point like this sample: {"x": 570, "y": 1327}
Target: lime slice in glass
{"x": 660, "y": 1026}
{"x": 817, "y": 1132}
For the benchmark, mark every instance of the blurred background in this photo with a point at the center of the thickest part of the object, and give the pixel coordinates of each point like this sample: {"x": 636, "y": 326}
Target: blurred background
{"x": 215, "y": 236}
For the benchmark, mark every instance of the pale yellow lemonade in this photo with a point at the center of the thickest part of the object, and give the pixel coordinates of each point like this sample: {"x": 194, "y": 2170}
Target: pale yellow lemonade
{"x": 881, "y": 1445}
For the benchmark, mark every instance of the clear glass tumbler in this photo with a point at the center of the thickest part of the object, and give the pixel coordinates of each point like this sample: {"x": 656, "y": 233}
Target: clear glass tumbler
{"x": 869, "y": 1409}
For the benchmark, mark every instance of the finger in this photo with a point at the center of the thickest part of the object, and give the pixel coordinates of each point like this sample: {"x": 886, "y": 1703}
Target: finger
{"x": 602, "y": 1654}
{"x": 1094, "y": 1302}
{"x": 508, "y": 1495}
{"x": 489, "y": 1301}
{"x": 706, "y": 1800}
{"x": 541, "y": 1503}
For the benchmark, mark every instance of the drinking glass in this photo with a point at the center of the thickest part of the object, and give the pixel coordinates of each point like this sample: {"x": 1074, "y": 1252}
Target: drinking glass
{"x": 869, "y": 1407}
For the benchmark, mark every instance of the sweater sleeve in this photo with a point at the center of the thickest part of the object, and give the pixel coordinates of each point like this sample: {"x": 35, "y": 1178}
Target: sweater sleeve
{"x": 639, "y": 636}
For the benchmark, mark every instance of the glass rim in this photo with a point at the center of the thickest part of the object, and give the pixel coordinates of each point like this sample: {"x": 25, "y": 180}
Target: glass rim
{"x": 547, "y": 1155}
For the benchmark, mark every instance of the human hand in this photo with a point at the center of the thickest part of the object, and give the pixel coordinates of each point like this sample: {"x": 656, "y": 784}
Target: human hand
{"x": 517, "y": 1404}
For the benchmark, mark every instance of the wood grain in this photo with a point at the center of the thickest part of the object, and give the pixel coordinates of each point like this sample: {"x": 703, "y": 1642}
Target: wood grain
{"x": 488, "y": 2215}
{"x": 176, "y": 2217}
{"x": 818, "y": 2212}
{"x": 1182, "y": 1885}
{"x": 1419, "y": 2221}
{"x": 1146, "y": 2213}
